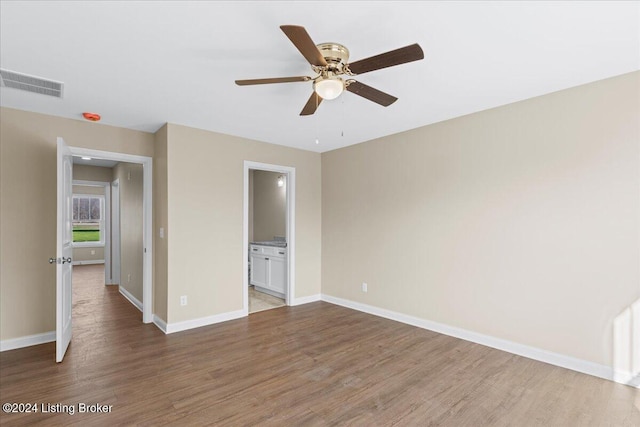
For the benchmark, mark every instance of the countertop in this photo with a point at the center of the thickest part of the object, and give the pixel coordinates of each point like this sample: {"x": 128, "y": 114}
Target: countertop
{"x": 276, "y": 243}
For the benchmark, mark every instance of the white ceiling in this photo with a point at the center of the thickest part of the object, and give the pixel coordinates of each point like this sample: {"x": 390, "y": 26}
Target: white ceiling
{"x": 141, "y": 64}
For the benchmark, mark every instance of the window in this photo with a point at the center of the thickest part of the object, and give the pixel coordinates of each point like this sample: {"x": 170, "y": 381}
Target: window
{"x": 88, "y": 220}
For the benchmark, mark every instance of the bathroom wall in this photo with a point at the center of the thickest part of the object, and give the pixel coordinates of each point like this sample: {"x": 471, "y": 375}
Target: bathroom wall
{"x": 269, "y": 206}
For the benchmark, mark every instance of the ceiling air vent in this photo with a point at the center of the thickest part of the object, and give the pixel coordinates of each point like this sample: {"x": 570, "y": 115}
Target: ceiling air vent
{"x": 30, "y": 83}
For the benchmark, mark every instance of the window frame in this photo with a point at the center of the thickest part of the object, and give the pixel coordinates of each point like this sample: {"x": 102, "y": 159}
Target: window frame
{"x": 103, "y": 230}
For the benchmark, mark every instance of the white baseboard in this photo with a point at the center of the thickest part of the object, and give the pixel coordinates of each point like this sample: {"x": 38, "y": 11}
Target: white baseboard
{"x": 203, "y": 321}
{"x": 307, "y": 299}
{"x": 169, "y": 328}
{"x": 634, "y": 381}
{"x": 269, "y": 292}
{"x": 628, "y": 378}
{"x": 133, "y": 300}
{"x": 161, "y": 324}
{"x": 88, "y": 262}
{"x": 29, "y": 340}
{"x": 556, "y": 359}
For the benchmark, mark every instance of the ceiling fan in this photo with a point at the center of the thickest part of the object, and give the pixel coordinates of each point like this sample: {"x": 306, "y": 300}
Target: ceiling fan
{"x": 329, "y": 62}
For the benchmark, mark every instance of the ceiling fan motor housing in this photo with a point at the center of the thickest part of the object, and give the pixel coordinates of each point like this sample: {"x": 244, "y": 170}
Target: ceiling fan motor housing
{"x": 334, "y": 53}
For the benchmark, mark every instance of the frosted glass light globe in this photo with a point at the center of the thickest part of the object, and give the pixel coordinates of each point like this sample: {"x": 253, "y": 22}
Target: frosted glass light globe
{"x": 329, "y": 88}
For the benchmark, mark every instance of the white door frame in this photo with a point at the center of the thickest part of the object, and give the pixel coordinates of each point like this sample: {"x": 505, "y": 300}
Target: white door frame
{"x": 107, "y": 224}
{"x": 115, "y": 232}
{"x": 290, "y": 174}
{"x": 147, "y": 218}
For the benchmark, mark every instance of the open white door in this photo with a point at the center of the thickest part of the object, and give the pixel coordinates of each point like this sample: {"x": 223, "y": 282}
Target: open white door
{"x": 64, "y": 250}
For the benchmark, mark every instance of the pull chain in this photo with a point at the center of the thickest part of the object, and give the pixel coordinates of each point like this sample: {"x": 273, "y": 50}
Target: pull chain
{"x": 317, "y": 127}
{"x": 342, "y": 133}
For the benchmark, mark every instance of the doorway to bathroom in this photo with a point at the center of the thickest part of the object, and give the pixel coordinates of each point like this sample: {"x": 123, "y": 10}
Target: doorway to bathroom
{"x": 268, "y": 236}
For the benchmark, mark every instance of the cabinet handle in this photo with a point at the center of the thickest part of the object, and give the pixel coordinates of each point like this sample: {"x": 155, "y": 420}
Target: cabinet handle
{"x": 281, "y": 253}
{"x": 266, "y": 259}
{"x": 255, "y": 250}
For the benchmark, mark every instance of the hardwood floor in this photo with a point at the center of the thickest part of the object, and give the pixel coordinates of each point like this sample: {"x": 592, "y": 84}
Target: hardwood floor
{"x": 311, "y": 365}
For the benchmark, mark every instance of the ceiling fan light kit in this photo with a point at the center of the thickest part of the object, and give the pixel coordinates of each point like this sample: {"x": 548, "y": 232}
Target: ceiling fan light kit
{"x": 328, "y": 87}
{"x": 330, "y": 61}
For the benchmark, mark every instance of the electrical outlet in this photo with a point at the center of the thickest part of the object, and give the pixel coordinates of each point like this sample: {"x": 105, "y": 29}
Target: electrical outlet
{"x": 183, "y": 300}
{"x": 364, "y": 287}
{"x": 93, "y": 251}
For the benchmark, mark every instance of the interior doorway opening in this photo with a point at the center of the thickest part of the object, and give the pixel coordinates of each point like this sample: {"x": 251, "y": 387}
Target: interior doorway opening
{"x": 92, "y": 214}
{"x": 105, "y": 231}
{"x": 267, "y": 240}
{"x": 268, "y": 236}
{"x": 127, "y": 169}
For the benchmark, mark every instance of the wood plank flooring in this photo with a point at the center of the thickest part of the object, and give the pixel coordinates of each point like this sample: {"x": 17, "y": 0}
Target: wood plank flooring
{"x": 312, "y": 365}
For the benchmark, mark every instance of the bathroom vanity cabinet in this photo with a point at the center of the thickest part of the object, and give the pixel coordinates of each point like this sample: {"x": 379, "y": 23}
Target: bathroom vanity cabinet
{"x": 269, "y": 269}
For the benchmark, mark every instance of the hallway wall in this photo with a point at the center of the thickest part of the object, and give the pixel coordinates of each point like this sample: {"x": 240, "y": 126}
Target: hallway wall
{"x": 131, "y": 232}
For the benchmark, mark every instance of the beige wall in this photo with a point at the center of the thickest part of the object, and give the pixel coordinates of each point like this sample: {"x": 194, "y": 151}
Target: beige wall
{"x": 269, "y": 206}
{"x": 92, "y": 173}
{"x": 131, "y": 242}
{"x": 27, "y": 190}
{"x": 205, "y": 194}
{"x": 520, "y": 222}
{"x": 83, "y": 254}
{"x": 88, "y": 189}
{"x": 160, "y": 207}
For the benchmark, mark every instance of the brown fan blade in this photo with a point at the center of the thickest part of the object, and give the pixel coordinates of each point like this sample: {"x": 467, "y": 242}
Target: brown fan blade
{"x": 371, "y": 94}
{"x": 388, "y": 59}
{"x": 301, "y": 39}
{"x": 274, "y": 80}
{"x": 312, "y": 104}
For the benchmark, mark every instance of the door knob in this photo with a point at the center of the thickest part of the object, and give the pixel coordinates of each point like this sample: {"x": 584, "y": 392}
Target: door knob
{"x": 64, "y": 261}
{"x": 52, "y": 260}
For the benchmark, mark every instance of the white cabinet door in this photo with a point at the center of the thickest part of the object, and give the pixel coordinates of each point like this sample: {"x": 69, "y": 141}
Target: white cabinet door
{"x": 278, "y": 274}
{"x": 259, "y": 270}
